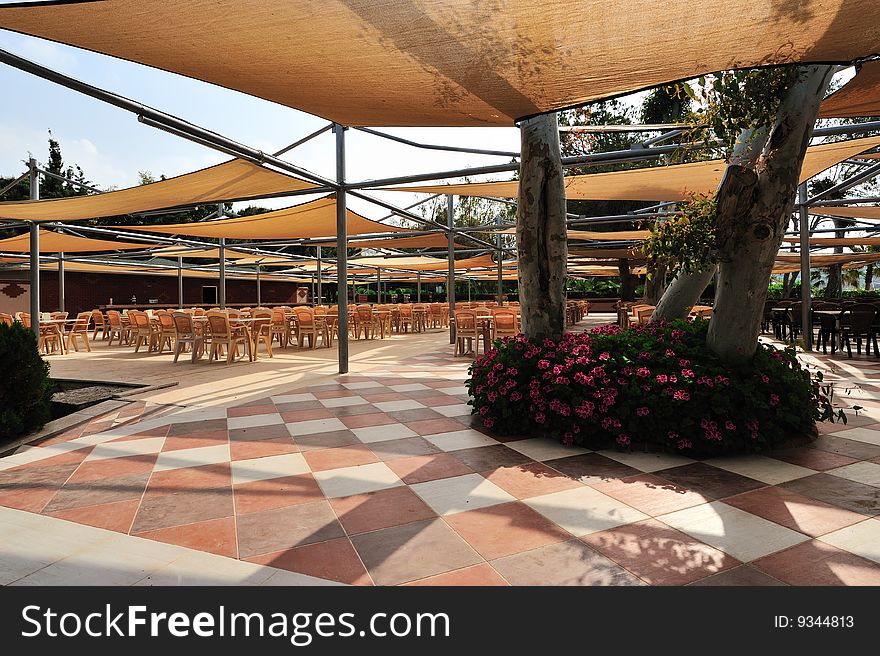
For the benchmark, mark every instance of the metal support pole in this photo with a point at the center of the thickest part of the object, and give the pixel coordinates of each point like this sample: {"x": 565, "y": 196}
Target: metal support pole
{"x": 469, "y": 291}
{"x": 222, "y": 298}
{"x": 259, "y": 299}
{"x": 806, "y": 295}
{"x": 341, "y": 249}
{"x": 34, "y": 179}
{"x": 418, "y": 286}
{"x": 312, "y": 285}
{"x": 378, "y": 286}
{"x": 180, "y": 282}
{"x": 450, "y": 253}
{"x": 318, "y": 272}
{"x": 500, "y": 255}
{"x": 61, "y": 282}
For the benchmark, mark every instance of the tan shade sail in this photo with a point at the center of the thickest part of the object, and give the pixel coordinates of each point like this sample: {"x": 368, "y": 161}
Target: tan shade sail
{"x": 129, "y": 269}
{"x": 421, "y": 263}
{"x": 451, "y": 62}
{"x": 850, "y": 212}
{"x": 870, "y": 156}
{"x": 662, "y": 183}
{"x": 827, "y": 260}
{"x": 316, "y": 218}
{"x": 859, "y": 97}
{"x": 53, "y": 242}
{"x": 234, "y": 180}
{"x": 590, "y": 235}
{"x": 837, "y": 241}
{"x": 423, "y": 241}
{"x": 200, "y": 253}
{"x": 606, "y": 253}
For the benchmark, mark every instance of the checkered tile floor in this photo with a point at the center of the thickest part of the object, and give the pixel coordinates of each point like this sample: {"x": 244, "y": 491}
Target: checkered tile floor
{"x": 383, "y": 479}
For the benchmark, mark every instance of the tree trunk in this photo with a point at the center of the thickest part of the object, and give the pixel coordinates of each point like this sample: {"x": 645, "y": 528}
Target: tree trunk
{"x": 655, "y": 286}
{"x": 869, "y": 277}
{"x": 750, "y": 234}
{"x": 682, "y": 294}
{"x": 541, "y": 229}
{"x": 628, "y": 281}
{"x": 834, "y": 282}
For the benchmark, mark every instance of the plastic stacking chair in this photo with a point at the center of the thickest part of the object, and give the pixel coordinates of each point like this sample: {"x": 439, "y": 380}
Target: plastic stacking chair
{"x": 261, "y": 330}
{"x": 857, "y": 321}
{"x": 8, "y": 319}
{"x": 466, "y": 331}
{"x": 115, "y": 328}
{"x": 80, "y": 331}
{"x": 100, "y": 325}
{"x": 186, "y": 335}
{"x": 167, "y": 333}
{"x": 505, "y": 322}
{"x": 225, "y": 336}
{"x": 306, "y": 327}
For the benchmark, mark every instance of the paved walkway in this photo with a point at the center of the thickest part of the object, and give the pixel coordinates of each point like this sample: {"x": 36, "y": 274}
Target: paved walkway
{"x": 380, "y": 478}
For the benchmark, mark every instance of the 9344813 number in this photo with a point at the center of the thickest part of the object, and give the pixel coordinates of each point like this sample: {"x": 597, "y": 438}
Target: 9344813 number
{"x": 814, "y": 622}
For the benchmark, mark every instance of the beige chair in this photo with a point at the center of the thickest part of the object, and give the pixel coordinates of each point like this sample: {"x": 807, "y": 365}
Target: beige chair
{"x": 8, "y": 319}
{"x": 186, "y": 334}
{"x": 505, "y": 322}
{"x": 223, "y": 336}
{"x": 261, "y": 330}
{"x": 306, "y": 327}
{"x": 115, "y": 328}
{"x": 466, "y": 330}
{"x": 367, "y": 322}
{"x": 79, "y": 331}
{"x": 143, "y": 333}
{"x": 100, "y": 324}
{"x": 167, "y": 332}
{"x": 405, "y": 318}
{"x": 279, "y": 327}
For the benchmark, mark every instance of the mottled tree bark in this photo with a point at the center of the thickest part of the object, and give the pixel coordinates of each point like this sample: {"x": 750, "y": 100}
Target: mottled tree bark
{"x": 750, "y": 235}
{"x": 628, "y": 281}
{"x": 541, "y": 229}
{"x": 655, "y": 285}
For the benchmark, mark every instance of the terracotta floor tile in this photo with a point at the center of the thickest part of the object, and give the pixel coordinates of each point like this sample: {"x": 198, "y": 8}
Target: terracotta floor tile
{"x": 433, "y": 426}
{"x": 32, "y": 476}
{"x": 334, "y": 393}
{"x": 840, "y": 492}
{"x": 249, "y": 410}
{"x": 284, "y": 528}
{"x": 255, "y": 433}
{"x": 116, "y": 516}
{"x": 382, "y": 509}
{"x": 187, "y": 427}
{"x": 742, "y": 575}
{"x": 299, "y": 406}
{"x": 346, "y": 456}
{"x": 97, "y": 470}
{"x": 403, "y": 448}
{"x": 276, "y": 493}
{"x": 215, "y": 536}
{"x": 505, "y": 529}
{"x": 109, "y": 490}
{"x": 416, "y": 414}
{"x": 306, "y": 415}
{"x": 382, "y": 397}
{"x": 710, "y": 482}
{"x": 329, "y": 440}
{"x": 420, "y": 469}
{"x": 845, "y": 447}
{"x": 817, "y": 563}
{"x": 437, "y": 400}
{"x": 353, "y": 410}
{"x": 366, "y": 420}
{"x": 780, "y": 505}
{"x": 413, "y": 551}
{"x": 335, "y": 560}
{"x": 591, "y": 468}
{"x": 530, "y": 479}
{"x": 481, "y": 575}
{"x": 658, "y": 554}
{"x": 812, "y": 458}
{"x": 244, "y": 450}
{"x": 565, "y": 563}
{"x": 490, "y": 458}
{"x": 29, "y": 499}
{"x": 61, "y": 460}
{"x": 195, "y": 440}
{"x": 651, "y": 494}
{"x": 185, "y": 479}
{"x": 166, "y": 510}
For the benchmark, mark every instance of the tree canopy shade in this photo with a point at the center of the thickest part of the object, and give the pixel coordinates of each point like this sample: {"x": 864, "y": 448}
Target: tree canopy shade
{"x": 451, "y": 62}
{"x": 315, "y": 218}
{"x": 662, "y": 183}
{"x": 859, "y": 97}
{"x": 233, "y": 180}
{"x": 53, "y": 242}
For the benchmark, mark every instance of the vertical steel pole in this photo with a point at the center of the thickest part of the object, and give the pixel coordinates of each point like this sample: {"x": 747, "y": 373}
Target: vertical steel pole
{"x": 61, "y": 282}
{"x": 320, "y": 293}
{"x": 806, "y": 295}
{"x": 500, "y": 256}
{"x": 341, "y": 249}
{"x": 34, "y": 179}
{"x": 450, "y": 280}
{"x": 418, "y": 286}
{"x": 312, "y": 285}
{"x": 259, "y": 295}
{"x": 378, "y": 285}
{"x": 180, "y": 282}
{"x": 222, "y": 298}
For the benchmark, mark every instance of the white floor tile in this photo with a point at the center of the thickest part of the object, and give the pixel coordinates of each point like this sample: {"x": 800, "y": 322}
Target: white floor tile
{"x": 129, "y": 448}
{"x": 646, "y": 462}
{"x": 460, "y": 493}
{"x": 736, "y": 532}
{"x": 761, "y": 468}
{"x": 862, "y": 539}
{"x": 582, "y": 511}
{"x": 867, "y": 435}
{"x": 343, "y": 401}
{"x": 315, "y": 426}
{"x": 458, "y": 389}
{"x": 346, "y": 481}
{"x": 205, "y": 455}
{"x": 363, "y": 385}
{"x": 394, "y": 406}
{"x": 544, "y": 448}
{"x": 860, "y": 472}
{"x": 384, "y": 433}
{"x": 261, "y": 469}
{"x": 408, "y": 387}
{"x": 293, "y": 398}
{"x": 252, "y": 421}
{"x": 463, "y": 439}
{"x": 454, "y": 410}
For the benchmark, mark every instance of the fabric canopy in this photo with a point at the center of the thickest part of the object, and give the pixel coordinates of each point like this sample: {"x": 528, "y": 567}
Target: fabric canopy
{"x": 607, "y": 253}
{"x": 422, "y": 241}
{"x": 450, "y": 62}
{"x": 860, "y": 97}
{"x": 589, "y": 235}
{"x": 316, "y": 218}
{"x": 234, "y": 180}
{"x": 838, "y": 241}
{"x": 851, "y": 212}
{"x": 827, "y": 260}
{"x": 126, "y": 268}
{"x": 53, "y": 242}
{"x": 662, "y": 183}
{"x": 422, "y": 263}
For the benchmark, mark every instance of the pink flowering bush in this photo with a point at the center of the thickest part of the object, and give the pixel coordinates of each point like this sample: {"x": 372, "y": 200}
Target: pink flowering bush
{"x": 656, "y": 384}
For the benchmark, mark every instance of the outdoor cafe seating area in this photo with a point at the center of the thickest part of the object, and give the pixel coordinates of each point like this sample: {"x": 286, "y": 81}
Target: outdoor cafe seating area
{"x": 834, "y": 324}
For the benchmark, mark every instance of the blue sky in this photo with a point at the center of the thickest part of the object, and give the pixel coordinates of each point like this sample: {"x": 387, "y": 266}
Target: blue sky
{"x": 112, "y": 146}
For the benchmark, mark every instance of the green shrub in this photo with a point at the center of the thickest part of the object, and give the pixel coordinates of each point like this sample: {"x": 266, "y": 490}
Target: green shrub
{"x": 25, "y": 389}
{"x": 656, "y": 384}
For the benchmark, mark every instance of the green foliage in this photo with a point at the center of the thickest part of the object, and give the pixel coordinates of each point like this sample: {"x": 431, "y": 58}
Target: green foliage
{"x": 685, "y": 241}
{"x": 602, "y": 287}
{"x": 656, "y": 385}
{"x": 25, "y": 389}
